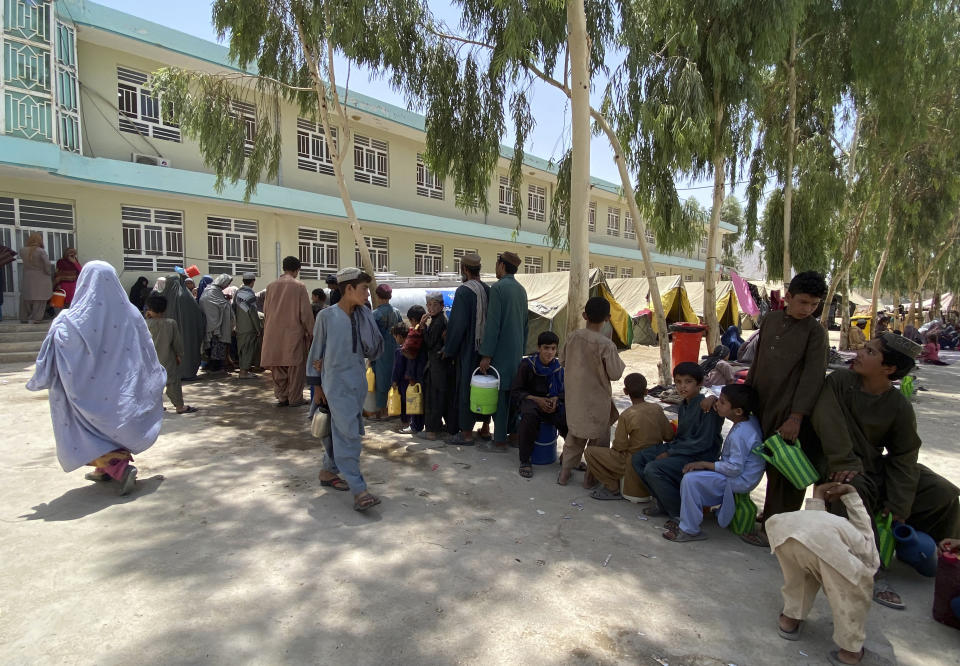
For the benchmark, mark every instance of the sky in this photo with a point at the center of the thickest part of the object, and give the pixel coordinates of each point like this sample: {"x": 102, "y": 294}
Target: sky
{"x": 550, "y": 108}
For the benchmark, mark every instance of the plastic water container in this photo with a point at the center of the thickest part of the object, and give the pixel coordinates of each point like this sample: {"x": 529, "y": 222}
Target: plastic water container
{"x": 484, "y": 392}
{"x": 686, "y": 342}
{"x": 58, "y": 299}
{"x": 192, "y": 271}
{"x": 545, "y": 448}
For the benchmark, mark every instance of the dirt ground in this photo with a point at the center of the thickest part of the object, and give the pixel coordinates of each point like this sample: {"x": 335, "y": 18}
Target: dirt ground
{"x": 230, "y": 552}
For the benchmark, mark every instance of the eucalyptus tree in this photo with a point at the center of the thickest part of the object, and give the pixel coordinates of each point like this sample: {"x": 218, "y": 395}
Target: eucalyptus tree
{"x": 692, "y": 69}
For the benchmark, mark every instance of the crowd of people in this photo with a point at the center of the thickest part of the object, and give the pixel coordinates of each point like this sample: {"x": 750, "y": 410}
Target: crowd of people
{"x": 856, "y": 429}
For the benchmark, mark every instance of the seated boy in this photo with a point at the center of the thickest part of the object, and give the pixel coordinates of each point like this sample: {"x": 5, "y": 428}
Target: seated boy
{"x": 738, "y": 470}
{"x": 641, "y": 425}
{"x": 819, "y": 549}
{"x": 698, "y": 438}
{"x": 537, "y": 392}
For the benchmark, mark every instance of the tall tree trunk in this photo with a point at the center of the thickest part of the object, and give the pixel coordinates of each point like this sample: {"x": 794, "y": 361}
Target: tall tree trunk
{"x": 878, "y": 274}
{"x": 791, "y": 144}
{"x": 640, "y": 226}
{"x": 713, "y": 236}
{"x": 845, "y": 313}
{"x": 911, "y": 311}
{"x": 577, "y": 42}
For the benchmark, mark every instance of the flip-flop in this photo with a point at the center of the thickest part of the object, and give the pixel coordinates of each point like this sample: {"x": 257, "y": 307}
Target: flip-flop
{"x": 654, "y": 511}
{"x": 683, "y": 537}
{"x": 363, "y": 504}
{"x": 834, "y": 658}
{"x": 879, "y": 587}
{"x": 128, "y": 482}
{"x": 526, "y": 471}
{"x": 190, "y": 410}
{"x": 604, "y": 493}
{"x": 757, "y": 538}
{"x": 671, "y": 525}
{"x": 336, "y": 484}
{"x": 789, "y": 635}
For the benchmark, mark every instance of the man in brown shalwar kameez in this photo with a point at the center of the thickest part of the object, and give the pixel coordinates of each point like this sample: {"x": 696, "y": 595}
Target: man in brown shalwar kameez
{"x": 287, "y": 330}
{"x": 869, "y": 434}
{"x": 788, "y": 375}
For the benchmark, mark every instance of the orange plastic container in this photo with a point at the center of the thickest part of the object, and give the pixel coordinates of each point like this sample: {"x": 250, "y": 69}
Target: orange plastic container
{"x": 192, "y": 271}
{"x": 59, "y": 298}
{"x": 686, "y": 343}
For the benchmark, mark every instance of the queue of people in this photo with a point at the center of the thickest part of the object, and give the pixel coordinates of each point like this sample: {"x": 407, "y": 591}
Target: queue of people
{"x": 857, "y": 430}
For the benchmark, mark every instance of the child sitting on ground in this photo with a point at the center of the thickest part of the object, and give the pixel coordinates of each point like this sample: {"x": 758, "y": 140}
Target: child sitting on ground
{"x": 166, "y": 338}
{"x": 538, "y": 392}
{"x": 406, "y": 372}
{"x": 739, "y": 469}
{"x": 698, "y": 438}
{"x": 816, "y": 549}
{"x": 590, "y": 362}
{"x": 641, "y": 425}
{"x": 931, "y": 351}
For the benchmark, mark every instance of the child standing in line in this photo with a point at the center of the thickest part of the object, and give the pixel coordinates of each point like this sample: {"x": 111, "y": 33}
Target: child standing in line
{"x": 698, "y": 438}
{"x": 738, "y": 470}
{"x": 641, "y": 425}
{"x": 169, "y": 345}
{"x": 415, "y": 364}
{"x": 817, "y": 549}
{"x": 590, "y": 362}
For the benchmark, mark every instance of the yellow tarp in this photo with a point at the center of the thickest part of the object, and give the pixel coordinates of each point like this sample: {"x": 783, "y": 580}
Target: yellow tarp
{"x": 634, "y": 295}
{"x": 727, "y": 307}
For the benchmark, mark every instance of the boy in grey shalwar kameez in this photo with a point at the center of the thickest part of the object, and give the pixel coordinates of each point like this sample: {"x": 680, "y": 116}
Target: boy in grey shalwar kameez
{"x": 343, "y": 336}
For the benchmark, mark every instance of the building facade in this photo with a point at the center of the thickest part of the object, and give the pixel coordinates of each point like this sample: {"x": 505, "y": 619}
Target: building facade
{"x": 89, "y": 158}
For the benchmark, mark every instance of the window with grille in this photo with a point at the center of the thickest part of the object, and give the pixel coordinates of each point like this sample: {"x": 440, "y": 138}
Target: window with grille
{"x": 319, "y": 251}
{"x": 533, "y": 264}
{"x": 313, "y": 150}
{"x": 379, "y": 253}
{"x": 233, "y": 246}
{"x": 458, "y": 254}
{"x": 628, "y": 230}
{"x": 563, "y": 264}
{"x": 609, "y": 272}
{"x": 689, "y": 277}
{"x": 507, "y": 197}
{"x": 371, "y": 161}
{"x": 651, "y": 241}
{"x": 247, "y": 114}
{"x": 536, "y": 203}
{"x": 660, "y": 274}
{"x": 427, "y": 259}
{"x": 428, "y": 183}
{"x": 67, "y": 88}
{"x": 626, "y": 272}
{"x": 152, "y": 239}
{"x": 21, "y": 218}
{"x": 592, "y": 217}
{"x": 140, "y": 111}
{"x": 463, "y": 201}
{"x": 613, "y": 221}
{"x": 703, "y": 245}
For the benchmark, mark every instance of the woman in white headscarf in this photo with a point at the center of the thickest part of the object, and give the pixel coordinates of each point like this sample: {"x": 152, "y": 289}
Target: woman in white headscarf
{"x": 219, "y": 315}
{"x": 105, "y": 382}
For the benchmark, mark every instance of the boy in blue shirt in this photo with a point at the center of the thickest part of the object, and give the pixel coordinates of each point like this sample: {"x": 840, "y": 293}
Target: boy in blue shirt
{"x": 698, "y": 438}
{"x": 738, "y": 470}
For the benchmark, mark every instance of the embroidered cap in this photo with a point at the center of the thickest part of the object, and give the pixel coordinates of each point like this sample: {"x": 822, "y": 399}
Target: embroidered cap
{"x": 347, "y": 274}
{"x": 434, "y": 296}
{"x": 470, "y": 260}
{"x": 249, "y": 276}
{"x": 900, "y": 344}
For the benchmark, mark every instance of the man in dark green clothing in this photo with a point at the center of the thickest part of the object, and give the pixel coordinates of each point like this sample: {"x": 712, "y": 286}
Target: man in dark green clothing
{"x": 504, "y": 340}
{"x": 869, "y": 436}
{"x": 467, "y": 317}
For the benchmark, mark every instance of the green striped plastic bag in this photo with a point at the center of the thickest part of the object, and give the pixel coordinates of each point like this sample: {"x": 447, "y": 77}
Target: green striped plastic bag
{"x": 906, "y": 386}
{"x": 789, "y": 459}
{"x": 885, "y": 541}
{"x": 744, "y": 514}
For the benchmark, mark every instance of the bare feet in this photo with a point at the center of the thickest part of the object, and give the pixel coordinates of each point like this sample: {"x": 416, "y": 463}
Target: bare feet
{"x": 564, "y": 477}
{"x": 788, "y": 624}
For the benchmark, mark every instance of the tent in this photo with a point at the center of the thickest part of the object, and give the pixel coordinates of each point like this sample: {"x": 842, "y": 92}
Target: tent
{"x": 728, "y": 309}
{"x": 547, "y": 304}
{"x": 634, "y": 295}
{"x": 947, "y": 302}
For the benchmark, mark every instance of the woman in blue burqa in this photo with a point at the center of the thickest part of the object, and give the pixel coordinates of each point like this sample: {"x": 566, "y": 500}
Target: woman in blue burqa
{"x": 105, "y": 382}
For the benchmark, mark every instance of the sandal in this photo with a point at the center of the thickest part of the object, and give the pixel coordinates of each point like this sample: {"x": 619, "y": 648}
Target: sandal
{"x": 190, "y": 410}
{"x": 834, "y": 657}
{"x": 336, "y": 484}
{"x": 526, "y": 471}
{"x": 365, "y": 501}
{"x": 679, "y": 536}
{"x": 881, "y": 586}
{"x": 671, "y": 525}
{"x": 604, "y": 493}
{"x": 458, "y": 440}
{"x": 789, "y": 635}
{"x": 756, "y": 538}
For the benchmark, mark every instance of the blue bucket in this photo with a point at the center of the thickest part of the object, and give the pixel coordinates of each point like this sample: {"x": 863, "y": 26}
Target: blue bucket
{"x": 545, "y": 448}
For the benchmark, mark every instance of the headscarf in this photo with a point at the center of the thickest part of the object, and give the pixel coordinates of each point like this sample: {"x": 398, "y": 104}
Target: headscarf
{"x": 184, "y": 309}
{"x": 223, "y": 280}
{"x": 230, "y": 292}
{"x": 720, "y": 352}
{"x": 205, "y": 281}
{"x": 732, "y": 340}
{"x": 552, "y": 371}
{"x": 34, "y": 241}
{"x": 100, "y": 365}
{"x": 137, "y": 295}
{"x": 160, "y": 285}
{"x": 216, "y": 310}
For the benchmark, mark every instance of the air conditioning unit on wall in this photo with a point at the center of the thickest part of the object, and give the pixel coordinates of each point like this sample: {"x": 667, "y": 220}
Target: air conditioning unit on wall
{"x": 152, "y": 160}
